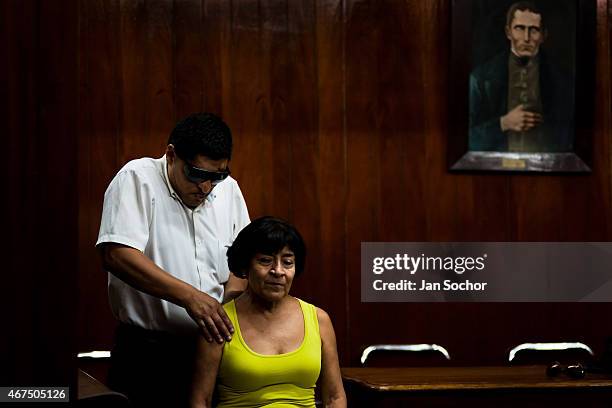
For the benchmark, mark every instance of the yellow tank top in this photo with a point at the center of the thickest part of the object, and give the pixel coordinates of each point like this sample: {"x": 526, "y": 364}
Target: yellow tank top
{"x": 250, "y": 379}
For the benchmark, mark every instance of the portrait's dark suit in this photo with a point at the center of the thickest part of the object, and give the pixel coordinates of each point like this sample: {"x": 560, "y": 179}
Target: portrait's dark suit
{"x": 489, "y": 100}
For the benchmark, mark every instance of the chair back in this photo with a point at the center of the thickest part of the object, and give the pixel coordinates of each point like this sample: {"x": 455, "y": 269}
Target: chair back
{"x": 404, "y": 355}
{"x": 546, "y": 353}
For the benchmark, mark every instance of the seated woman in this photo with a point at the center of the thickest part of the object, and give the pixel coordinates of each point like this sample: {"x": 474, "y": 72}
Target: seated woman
{"x": 281, "y": 344}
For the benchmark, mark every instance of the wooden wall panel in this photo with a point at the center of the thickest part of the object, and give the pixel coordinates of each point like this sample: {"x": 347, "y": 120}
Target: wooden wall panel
{"x": 40, "y": 247}
{"x": 52, "y": 203}
{"x": 99, "y": 158}
{"x": 159, "y": 92}
{"x": 19, "y": 93}
{"x": 273, "y": 156}
{"x": 247, "y": 91}
{"x": 301, "y": 104}
{"x": 216, "y": 38}
{"x": 188, "y": 62}
{"x": 362, "y": 158}
{"x": 329, "y": 282}
{"x": 339, "y": 114}
{"x": 133, "y": 74}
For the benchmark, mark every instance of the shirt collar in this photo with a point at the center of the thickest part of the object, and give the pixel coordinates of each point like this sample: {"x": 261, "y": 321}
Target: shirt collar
{"x": 210, "y": 197}
{"x": 164, "y": 164}
{"x": 524, "y": 61}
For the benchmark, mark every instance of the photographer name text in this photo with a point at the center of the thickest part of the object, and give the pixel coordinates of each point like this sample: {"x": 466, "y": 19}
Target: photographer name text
{"x": 425, "y": 286}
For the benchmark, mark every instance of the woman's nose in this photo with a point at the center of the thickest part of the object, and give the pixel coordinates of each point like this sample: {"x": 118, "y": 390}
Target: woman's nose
{"x": 277, "y": 268}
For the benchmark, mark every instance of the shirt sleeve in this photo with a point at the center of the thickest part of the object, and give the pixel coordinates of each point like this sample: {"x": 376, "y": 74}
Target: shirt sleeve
{"x": 127, "y": 211}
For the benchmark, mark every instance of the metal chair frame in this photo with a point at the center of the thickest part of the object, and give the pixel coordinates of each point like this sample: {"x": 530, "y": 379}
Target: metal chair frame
{"x": 403, "y": 347}
{"x": 560, "y": 346}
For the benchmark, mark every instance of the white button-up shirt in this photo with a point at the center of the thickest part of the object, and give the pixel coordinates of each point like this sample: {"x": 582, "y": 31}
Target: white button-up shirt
{"x": 142, "y": 210}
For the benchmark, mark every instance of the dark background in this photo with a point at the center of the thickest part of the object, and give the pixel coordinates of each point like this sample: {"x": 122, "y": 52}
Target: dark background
{"x": 339, "y": 111}
{"x": 489, "y": 37}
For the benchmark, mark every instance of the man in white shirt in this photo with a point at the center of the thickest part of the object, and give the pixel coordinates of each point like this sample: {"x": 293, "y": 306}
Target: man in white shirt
{"x": 166, "y": 225}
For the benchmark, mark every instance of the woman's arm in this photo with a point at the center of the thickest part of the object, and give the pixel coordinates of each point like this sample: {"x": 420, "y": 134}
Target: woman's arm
{"x": 207, "y": 359}
{"x": 331, "y": 380}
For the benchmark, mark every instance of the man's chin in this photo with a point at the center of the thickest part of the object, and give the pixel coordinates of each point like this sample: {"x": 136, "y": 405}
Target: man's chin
{"x": 193, "y": 200}
{"x": 198, "y": 201}
{"x": 528, "y": 53}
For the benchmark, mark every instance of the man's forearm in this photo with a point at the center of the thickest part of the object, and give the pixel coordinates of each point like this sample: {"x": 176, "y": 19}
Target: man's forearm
{"x": 137, "y": 270}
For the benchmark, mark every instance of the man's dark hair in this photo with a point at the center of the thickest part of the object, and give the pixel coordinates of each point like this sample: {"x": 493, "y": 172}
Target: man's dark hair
{"x": 202, "y": 134}
{"x": 265, "y": 235}
{"x": 523, "y": 6}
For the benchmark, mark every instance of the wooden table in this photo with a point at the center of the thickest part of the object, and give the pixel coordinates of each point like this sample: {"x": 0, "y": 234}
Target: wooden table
{"x": 92, "y": 393}
{"x": 522, "y": 386}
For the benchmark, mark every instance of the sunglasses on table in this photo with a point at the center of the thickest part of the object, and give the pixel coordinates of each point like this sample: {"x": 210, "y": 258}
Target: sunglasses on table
{"x": 198, "y": 175}
{"x": 575, "y": 370}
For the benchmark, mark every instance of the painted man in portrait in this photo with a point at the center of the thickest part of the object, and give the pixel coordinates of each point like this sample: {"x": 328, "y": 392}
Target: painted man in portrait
{"x": 520, "y": 101}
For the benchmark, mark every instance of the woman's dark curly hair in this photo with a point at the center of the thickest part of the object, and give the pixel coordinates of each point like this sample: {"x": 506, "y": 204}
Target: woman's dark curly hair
{"x": 265, "y": 235}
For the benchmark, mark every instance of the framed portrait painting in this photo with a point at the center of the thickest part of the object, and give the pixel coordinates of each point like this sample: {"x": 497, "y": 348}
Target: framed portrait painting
{"x": 522, "y": 83}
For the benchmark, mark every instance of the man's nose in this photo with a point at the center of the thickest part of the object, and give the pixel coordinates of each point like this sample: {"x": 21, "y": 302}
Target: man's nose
{"x": 527, "y": 35}
{"x": 205, "y": 186}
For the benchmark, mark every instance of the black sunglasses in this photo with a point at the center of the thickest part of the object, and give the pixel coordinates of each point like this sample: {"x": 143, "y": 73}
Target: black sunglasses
{"x": 197, "y": 175}
{"x": 576, "y": 370}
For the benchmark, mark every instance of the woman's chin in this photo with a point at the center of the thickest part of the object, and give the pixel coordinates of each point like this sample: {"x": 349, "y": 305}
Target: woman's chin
{"x": 272, "y": 296}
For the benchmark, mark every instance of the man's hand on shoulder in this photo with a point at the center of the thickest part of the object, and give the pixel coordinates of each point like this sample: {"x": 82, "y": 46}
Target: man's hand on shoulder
{"x": 520, "y": 120}
{"x": 137, "y": 270}
{"x": 210, "y": 316}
